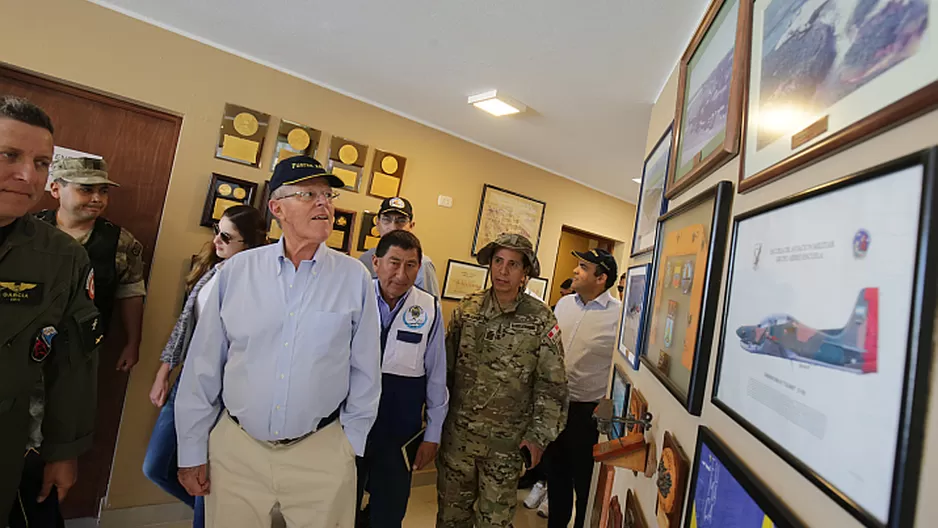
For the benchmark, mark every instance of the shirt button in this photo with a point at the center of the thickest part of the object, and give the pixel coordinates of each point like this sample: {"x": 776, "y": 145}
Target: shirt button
{"x": 291, "y": 285}
{"x": 286, "y": 344}
{"x": 291, "y": 314}
{"x": 281, "y": 376}
{"x": 278, "y": 407}
{"x": 276, "y": 433}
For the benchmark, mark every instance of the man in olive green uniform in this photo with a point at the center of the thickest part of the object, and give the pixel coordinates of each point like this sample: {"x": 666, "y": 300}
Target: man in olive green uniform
{"x": 50, "y": 327}
{"x": 508, "y": 390}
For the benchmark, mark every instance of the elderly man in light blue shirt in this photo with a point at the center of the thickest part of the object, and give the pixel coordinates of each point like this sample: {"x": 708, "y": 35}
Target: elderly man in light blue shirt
{"x": 289, "y": 341}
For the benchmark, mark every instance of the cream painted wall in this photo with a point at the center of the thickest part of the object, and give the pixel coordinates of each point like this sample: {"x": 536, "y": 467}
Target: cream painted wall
{"x": 82, "y": 43}
{"x": 811, "y": 505}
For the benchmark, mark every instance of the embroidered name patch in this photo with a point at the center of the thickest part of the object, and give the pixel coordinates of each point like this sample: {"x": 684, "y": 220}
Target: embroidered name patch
{"x": 25, "y": 293}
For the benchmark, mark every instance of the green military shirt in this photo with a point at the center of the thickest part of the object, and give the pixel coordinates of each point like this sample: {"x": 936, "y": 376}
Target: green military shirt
{"x": 50, "y": 332}
{"x": 506, "y": 371}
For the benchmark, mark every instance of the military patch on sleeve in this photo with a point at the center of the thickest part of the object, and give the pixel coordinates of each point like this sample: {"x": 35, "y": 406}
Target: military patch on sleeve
{"x": 91, "y": 331}
{"x": 89, "y": 284}
{"x": 554, "y": 334}
{"x": 25, "y": 293}
{"x": 42, "y": 346}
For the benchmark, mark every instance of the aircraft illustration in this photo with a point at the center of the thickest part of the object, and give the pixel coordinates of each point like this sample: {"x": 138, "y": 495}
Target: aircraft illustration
{"x": 852, "y": 348}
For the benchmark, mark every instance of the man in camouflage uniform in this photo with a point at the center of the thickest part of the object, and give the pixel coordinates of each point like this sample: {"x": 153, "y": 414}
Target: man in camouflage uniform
{"x": 81, "y": 185}
{"x": 508, "y": 390}
{"x": 49, "y": 327}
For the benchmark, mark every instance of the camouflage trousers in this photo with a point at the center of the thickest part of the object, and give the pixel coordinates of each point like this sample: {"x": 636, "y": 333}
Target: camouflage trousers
{"x": 476, "y": 485}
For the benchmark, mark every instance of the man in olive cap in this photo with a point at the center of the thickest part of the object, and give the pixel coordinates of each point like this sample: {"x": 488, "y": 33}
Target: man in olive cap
{"x": 508, "y": 390}
{"x": 81, "y": 186}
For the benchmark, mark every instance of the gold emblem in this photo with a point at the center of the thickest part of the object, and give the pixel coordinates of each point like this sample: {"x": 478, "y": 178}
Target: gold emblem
{"x": 348, "y": 154}
{"x": 240, "y": 193}
{"x": 341, "y": 221}
{"x": 17, "y": 287}
{"x": 246, "y": 124}
{"x": 298, "y": 139}
{"x": 389, "y": 164}
{"x": 224, "y": 189}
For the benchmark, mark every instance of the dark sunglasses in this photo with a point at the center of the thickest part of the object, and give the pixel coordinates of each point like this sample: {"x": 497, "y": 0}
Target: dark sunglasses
{"x": 225, "y": 237}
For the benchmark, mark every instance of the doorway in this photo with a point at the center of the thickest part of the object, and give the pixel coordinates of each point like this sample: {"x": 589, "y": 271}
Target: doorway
{"x": 139, "y": 145}
{"x": 573, "y": 239}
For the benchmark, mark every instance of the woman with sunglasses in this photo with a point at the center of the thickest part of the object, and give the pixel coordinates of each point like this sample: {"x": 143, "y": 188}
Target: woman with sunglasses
{"x": 241, "y": 227}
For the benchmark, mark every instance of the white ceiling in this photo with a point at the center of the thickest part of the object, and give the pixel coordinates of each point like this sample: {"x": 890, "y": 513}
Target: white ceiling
{"x": 589, "y": 70}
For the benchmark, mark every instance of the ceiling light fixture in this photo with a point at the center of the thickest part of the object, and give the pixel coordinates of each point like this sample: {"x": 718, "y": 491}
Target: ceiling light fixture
{"x": 496, "y": 103}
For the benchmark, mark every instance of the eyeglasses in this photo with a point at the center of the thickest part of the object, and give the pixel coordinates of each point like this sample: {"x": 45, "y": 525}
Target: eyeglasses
{"x": 311, "y": 196}
{"x": 397, "y": 220}
{"x": 226, "y": 238}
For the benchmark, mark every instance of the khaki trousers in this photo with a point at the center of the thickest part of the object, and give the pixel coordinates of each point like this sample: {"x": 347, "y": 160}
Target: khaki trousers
{"x": 313, "y": 480}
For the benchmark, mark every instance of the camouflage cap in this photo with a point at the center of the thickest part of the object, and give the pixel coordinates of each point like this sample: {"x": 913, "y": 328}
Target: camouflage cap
{"x": 515, "y": 241}
{"x": 82, "y": 171}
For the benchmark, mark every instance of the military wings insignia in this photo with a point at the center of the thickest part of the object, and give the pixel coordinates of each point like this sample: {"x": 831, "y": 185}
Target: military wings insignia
{"x": 17, "y": 287}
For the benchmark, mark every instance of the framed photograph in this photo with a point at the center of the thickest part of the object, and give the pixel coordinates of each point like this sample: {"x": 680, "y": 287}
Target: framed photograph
{"x": 504, "y": 211}
{"x": 619, "y": 394}
{"x": 294, "y": 139}
{"x": 688, "y": 266}
{"x": 651, "y": 200}
{"x": 463, "y": 278}
{"x": 368, "y": 235}
{"x": 273, "y": 226}
{"x": 241, "y": 138}
{"x": 631, "y": 324}
{"x": 724, "y": 493}
{"x": 633, "y": 516}
{"x": 538, "y": 286}
{"x": 828, "y": 74}
{"x": 671, "y": 481}
{"x": 341, "y": 237}
{"x": 387, "y": 175}
{"x": 710, "y": 94}
{"x": 819, "y": 283}
{"x": 347, "y": 161}
{"x": 224, "y": 192}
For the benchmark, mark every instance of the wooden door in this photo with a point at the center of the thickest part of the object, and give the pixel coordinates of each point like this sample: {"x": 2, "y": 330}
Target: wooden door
{"x": 572, "y": 239}
{"x": 139, "y": 145}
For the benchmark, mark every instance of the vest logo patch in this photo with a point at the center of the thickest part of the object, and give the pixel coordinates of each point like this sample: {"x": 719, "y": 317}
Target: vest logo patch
{"x": 42, "y": 346}
{"x": 25, "y": 293}
{"x": 554, "y": 333}
{"x": 89, "y": 284}
{"x": 415, "y": 317}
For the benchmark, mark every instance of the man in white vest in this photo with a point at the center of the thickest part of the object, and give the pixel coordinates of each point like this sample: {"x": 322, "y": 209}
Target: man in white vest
{"x": 413, "y": 374}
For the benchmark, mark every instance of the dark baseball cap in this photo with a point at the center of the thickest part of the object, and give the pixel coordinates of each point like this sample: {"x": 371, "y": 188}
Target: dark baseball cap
{"x": 299, "y": 169}
{"x": 602, "y": 258}
{"x": 396, "y": 204}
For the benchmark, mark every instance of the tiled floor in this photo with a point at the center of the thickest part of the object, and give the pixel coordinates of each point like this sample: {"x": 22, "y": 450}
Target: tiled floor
{"x": 421, "y": 510}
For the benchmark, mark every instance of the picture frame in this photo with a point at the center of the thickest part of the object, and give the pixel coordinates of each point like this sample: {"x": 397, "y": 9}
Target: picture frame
{"x": 687, "y": 267}
{"x": 708, "y": 113}
{"x": 343, "y": 223}
{"x": 841, "y": 102}
{"x": 638, "y": 406}
{"x": 241, "y": 135}
{"x": 347, "y": 161}
{"x": 501, "y": 210}
{"x": 599, "y": 515}
{"x": 463, "y": 278}
{"x": 538, "y": 286}
{"x": 633, "y": 517}
{"x": 728, "y": 492}
{"x": 387, "y": 175}
{"x": 368, "y": 235}
{"x": 294, "y": 139}
{"x": 651, "y": 200}
{"x": 224, "y": 192}
{"x": 671, "y": 481}
{"x": 632, "y": 317}
{"x": 270, "y": 221}
{"x": 619, "y": 395}
{"x": 865, "y": 251}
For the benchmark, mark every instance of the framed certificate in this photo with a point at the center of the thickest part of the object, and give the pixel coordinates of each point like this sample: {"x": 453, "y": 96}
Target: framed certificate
{"x": 632, "y": 320}
{"x": 688, "y": 266}
{"x": 504, "y": 211}
{"x": 463, "y": 278}
{"x": 224, "y": 192}
{"x": 826, "y": 340}
{"x": 538, "y": 286}
{"x": 651, "y": 200}
{"x": 241, "y": 138}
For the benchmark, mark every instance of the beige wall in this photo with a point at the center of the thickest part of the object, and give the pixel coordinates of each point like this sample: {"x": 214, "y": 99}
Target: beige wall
{"x": 88, "y": 45}
{"x": 812, "y": 505}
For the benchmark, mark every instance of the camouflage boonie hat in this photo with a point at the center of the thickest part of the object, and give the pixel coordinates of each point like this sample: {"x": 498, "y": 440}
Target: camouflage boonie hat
{"x": 513, "y": 241}
{"x": 81, "y": 171}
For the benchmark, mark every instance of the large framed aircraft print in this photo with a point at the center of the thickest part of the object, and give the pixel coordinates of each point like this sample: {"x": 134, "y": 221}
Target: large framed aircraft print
{"x": 826, "y": 339}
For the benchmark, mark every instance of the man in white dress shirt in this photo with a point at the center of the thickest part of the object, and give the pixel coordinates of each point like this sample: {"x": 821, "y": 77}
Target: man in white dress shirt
{"x": 587, "y": 323}
{"x": 289, "y": 340}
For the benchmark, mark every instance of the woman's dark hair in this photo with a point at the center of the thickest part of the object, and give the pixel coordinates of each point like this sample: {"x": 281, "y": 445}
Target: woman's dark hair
{"x": 251, "y": 227}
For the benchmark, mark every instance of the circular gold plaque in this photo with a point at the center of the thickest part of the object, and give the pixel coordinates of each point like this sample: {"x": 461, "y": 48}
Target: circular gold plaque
{"x": 224, "y": 189}
{"x": 348, "y": 154}
{"x": 298, "y": 139}
{"x": 240, "y": 193}
{"x": 389, "y": 164}
{"x": 245, "y": 124}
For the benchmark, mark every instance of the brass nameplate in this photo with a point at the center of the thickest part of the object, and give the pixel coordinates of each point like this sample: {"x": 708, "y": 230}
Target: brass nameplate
{"x": 814, "y": 130}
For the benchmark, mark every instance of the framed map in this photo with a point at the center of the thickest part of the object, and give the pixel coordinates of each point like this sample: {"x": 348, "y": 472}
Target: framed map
{"x": 504, "y": 211}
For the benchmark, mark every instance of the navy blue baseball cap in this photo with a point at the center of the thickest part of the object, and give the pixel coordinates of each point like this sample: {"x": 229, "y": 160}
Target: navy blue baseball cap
{"x": 602, "y": 258}
{"x": 299, "y": 169}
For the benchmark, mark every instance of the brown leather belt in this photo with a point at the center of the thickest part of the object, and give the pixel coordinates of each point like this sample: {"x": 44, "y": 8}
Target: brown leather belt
{"x": 290, "y": 441}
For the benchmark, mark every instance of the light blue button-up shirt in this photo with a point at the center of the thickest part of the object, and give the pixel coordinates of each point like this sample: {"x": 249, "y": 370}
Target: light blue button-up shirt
{"x": 434, "y": 362}
{"x": 283, "y": 347}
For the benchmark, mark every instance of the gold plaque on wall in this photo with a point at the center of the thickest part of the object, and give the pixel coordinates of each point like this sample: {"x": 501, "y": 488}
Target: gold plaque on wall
{"x": 294, "y": 139}
{"x": 368, "y": 234}
{"x": 224, "y": 192}
{"x": 387, "y": 174}
{"x": 347, "y": 161}
{"x": 241, "y": 137}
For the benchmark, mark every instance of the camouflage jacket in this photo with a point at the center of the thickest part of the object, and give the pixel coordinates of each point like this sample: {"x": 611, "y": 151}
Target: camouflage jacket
{"x": 506, "y": 372}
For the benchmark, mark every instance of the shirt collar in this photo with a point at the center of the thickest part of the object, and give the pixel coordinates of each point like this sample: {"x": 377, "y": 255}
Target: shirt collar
{"x": 603, "y": 300}
{"x": 491, "y": 307}
{"x": 382, "y": 302}
{"x": 321, "y": 252}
